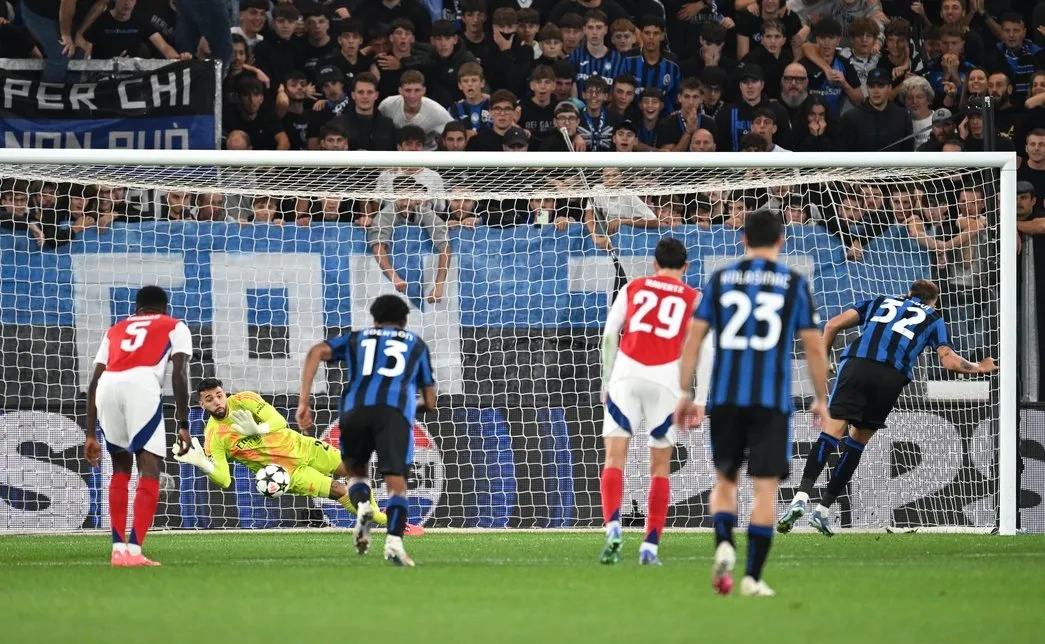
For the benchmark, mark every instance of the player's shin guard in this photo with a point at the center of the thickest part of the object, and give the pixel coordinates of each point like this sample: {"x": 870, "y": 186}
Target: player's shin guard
{"x": 843, "y": 472}
{"x": 723, "y": 523}
{"x": 759, "y": 539}
{"x": 825, "y": 445}
{"x": 612, "y": 488}
{"x": 146, "y": 498}
{"x": 118, "y": 508}
{"x": 397, "y": 511}
{"x": 359, "y": 493}
{"x": 657, "y": 509}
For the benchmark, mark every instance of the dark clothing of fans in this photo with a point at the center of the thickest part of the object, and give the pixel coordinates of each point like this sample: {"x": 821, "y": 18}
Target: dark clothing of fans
{"x": 368, "y": 132}
{"x": 866, "y": 129}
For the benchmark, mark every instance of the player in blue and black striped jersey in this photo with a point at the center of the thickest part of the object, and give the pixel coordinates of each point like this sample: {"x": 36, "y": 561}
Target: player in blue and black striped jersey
{"x": 387, "y": 366}
{"x": 872, "y": 372}
{"x": 756, "y": 306}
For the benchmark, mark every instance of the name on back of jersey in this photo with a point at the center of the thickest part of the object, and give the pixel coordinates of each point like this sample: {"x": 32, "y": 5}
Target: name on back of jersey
{"x": 386, "y": 332}
{"x": 757, "y": 276}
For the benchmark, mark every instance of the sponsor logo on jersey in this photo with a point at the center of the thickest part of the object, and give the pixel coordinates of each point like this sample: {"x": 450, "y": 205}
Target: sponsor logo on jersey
{"x": 427, "y": 478}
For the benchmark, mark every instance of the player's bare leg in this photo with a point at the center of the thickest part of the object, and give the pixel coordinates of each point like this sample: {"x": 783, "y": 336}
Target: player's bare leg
{"x": 360, "y": 495}
{"x": 826, "y": 444}
{"x": 724, "y": 519}
{"x": 122, "y": 462}
{"x": 146, "y": 498}
{"x": 759, "y": 537}
{"x": 397, "y": 513}
{"x": 852, "y": 449}
{"x": 612, "y": 488}
{"x": 339, "y": 493}
{"x": 657, "y": 501}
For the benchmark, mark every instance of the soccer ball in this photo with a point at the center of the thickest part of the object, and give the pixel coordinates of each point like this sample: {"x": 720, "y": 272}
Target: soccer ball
{"x": 272, "y": 481}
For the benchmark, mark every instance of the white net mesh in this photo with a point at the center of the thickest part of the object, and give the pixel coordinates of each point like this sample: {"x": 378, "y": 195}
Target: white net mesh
{"x": 261, "y": 262}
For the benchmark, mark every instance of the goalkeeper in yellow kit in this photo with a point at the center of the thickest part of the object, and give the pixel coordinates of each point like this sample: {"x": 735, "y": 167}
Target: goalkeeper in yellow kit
{"x": 246, "y": 429}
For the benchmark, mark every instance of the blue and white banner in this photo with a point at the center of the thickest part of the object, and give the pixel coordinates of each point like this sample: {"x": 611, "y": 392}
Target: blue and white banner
{"x": 173, "y": 107}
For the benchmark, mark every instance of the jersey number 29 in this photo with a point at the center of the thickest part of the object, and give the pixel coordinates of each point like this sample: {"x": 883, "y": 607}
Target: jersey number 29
{"x": 670, "y": 312}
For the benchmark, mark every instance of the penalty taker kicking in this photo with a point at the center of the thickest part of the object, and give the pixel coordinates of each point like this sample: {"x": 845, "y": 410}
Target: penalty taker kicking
{"x": 873, "y": 371}
{"x": 755, "y": 306}
{"x": 388, "y": 366}
{"x": 650, "y": 319}
{"x": 247, "y": 430}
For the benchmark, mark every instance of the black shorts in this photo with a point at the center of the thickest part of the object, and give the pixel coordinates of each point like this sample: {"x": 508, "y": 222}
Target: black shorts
{"x": 865, "y": 393}
{"x": 383, "y": 429}
{"x": 761, "y": 436}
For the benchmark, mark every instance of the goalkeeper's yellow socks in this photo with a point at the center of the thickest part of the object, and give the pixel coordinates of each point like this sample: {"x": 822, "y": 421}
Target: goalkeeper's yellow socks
{"x": 357, "y": 494}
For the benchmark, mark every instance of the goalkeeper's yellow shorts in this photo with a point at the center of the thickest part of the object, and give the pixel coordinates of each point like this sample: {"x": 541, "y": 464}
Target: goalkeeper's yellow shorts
{"x": 314, "y": 475}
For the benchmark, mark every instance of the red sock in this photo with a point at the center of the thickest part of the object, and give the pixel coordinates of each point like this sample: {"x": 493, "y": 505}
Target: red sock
{"x": 118, "y": 506}
{"x": 657, "y": 508}
{"x": 612, "y": 486}
{"x": 146, "y": 498}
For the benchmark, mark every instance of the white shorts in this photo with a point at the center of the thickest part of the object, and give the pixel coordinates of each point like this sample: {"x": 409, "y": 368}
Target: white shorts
{"x": 131, "y": 417}
{"x": 632, "y": 401}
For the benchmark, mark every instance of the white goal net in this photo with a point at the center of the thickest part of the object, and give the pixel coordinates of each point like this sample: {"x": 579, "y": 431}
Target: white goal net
{"x": 504, "y": 261}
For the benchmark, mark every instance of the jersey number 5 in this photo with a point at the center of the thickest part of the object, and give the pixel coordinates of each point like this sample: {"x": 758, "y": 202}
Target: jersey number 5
{"x": 670, "y": 312}
{"x": 136, "y": 332}
{"x": 393, "y": 349}
{"x": 912, "y": 317}
{"x": 766, "y": 309}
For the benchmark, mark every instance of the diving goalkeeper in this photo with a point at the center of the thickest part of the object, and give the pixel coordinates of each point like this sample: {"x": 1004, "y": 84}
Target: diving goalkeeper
{"x": 246, "y": 429}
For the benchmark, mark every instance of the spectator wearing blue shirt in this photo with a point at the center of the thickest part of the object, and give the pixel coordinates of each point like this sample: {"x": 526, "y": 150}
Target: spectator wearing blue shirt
{"x": 1017, "y": 55}
{"x": 835, "y": 79}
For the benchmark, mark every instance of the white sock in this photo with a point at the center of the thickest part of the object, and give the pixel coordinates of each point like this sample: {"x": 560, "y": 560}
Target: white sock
{"x": 119, "y": 547}
{"x": 802, "y": 496}
{"x": 648, "y": 547}
{"x": 134, "y": 549}
{"x": 392, "y": 541}
{"x": 822, "y": 510}
{"x": 612, "y": 526}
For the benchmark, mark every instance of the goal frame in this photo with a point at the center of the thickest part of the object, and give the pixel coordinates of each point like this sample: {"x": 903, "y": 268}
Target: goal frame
{"x": 1004, "y": 162}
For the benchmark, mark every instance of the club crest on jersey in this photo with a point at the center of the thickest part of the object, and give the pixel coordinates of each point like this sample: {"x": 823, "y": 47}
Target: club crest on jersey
{"x": 667, "y": 80}
{"x": 427, "y": 478}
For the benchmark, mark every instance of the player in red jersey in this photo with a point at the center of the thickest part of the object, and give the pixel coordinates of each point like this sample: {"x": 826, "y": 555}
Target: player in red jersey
{"x": 126, "y": 395}
{"x": 651, "y": 320}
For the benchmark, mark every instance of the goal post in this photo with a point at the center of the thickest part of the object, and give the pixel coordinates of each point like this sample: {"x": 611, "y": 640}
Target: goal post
{"x": 514, "y": 333}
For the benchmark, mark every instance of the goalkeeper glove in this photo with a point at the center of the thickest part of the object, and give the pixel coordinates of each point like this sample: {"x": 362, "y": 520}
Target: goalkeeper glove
{"x": 194, "y": 456}
{"x": 243, "y": 423}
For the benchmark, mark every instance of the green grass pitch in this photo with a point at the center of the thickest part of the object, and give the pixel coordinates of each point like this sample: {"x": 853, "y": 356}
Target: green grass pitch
{"x": 520, "y": 587}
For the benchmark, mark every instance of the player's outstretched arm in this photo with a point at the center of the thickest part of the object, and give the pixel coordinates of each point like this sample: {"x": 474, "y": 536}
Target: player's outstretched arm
{"x": 844, "y": 320}
{"x": 91, "y": 447}
{"x": 816, "y": 361}
{"x": 180, "y": 385}
{"x": 321, "y": 351}
{"x": 954, "y": 362}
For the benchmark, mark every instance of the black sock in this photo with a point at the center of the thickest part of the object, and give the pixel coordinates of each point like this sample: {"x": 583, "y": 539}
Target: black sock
{"x": 843, "y": 472}
{"x": 359, "y": 493}
{"x": 759, "y": 539}
{"x": 724, "y": 522}
{"x": 397, "y": 510}
{"x": 824, "y": 446}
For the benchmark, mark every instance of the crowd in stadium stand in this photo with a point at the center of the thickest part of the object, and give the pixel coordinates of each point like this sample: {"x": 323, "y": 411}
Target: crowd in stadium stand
{"x": 618, "y": 75}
